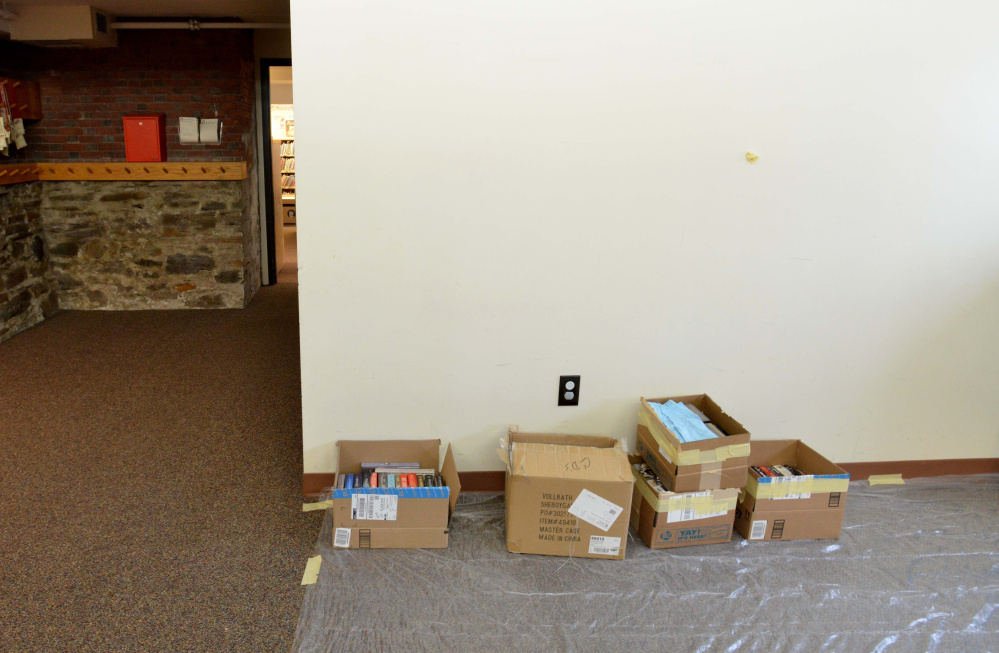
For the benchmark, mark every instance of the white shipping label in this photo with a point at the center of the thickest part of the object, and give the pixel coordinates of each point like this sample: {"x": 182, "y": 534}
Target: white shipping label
{"x": 605, "y": 546}
{"x": 595, "y": 510}
{"x": 381, "y": 507}
{"x": 689, "y": 514}
{"x": 683, "y": 507}
{"x": 342, "y": 538}
{"x": 759, "y": 529}
{"x": 662, "y": 452}
{"x": 800, "y": 480}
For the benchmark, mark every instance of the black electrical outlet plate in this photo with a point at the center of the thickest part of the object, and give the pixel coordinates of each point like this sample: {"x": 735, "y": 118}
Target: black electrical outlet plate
{"x": 568, "y": 390}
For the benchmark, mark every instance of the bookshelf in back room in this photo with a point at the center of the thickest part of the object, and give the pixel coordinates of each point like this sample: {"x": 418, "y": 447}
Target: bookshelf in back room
{"x": 283, "y": 134}
{"x": 288, "y": 178}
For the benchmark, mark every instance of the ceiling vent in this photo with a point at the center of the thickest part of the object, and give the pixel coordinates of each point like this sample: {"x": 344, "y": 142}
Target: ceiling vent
{"x": 78, "y": 26}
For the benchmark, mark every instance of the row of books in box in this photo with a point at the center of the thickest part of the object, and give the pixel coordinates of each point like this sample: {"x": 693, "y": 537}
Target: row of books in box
{"x": 572, "y": 495}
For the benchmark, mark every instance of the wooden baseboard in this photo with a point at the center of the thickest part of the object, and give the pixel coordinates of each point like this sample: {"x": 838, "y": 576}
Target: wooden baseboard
{"x": 313, "y": 484}
{"x": 923, "y": 468}
{"x": 482, "y": 481}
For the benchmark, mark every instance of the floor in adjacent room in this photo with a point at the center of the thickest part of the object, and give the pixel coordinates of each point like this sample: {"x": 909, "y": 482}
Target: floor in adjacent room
{"x": 151, "y": 481}
{"x": 915, "y": 569}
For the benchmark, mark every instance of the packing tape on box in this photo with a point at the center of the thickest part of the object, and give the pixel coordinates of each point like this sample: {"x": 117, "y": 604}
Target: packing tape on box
{"x": 701, "y": 505}
{"x": 886, "y": 479}
{"x": 710, "y": 477}
{"x": 693, "y": 456}
{"x": 797, "y": 485}
{"x": 322, "y": 505}
{"x": 504, "y": 457}
{"x": 312, "y": 570}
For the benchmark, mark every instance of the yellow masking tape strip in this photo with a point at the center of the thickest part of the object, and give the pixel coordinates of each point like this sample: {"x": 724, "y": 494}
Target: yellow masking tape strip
{"x": 797, "y": 486}
{"x": 701, "y": 505}
{"x": 694, "y": 456}
{"x": 322, "y": 505}
{"x": 312, "y": 570}
{"x": 805, "y": 486}
{"x": 886, "y": 479}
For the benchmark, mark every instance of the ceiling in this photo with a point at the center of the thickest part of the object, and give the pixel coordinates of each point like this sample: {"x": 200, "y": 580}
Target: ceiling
{"x": 251, "y": 11}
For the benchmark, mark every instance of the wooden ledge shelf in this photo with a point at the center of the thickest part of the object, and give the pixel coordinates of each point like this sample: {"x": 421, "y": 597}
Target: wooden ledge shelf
{"x": 18, "y": 174}
{"x": 116, "y": 171}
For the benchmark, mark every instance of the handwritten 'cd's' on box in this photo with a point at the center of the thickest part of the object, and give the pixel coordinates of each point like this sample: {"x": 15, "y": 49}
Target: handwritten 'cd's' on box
{"x": 567, "y": 495}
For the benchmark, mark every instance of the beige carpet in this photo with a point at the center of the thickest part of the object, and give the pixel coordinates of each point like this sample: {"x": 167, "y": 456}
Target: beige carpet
{"x": 151, "y": 479}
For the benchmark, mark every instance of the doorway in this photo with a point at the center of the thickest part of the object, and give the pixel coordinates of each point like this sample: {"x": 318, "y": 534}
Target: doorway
{"x": 279, "y": 181}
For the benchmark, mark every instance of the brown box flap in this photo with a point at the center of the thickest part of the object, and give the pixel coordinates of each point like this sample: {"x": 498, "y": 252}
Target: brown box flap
{"x": 449, "y": 471}
{"x": 569, "y": 457}
{"x": 354, "y": 452}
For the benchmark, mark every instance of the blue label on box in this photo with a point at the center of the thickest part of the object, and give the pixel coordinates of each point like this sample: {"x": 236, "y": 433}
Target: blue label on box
{"x": 401, "y": 492}
{"x": 696, "y": 534}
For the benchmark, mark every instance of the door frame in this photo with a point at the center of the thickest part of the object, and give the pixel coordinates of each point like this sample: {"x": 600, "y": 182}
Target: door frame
{"x": 268, "y": 168}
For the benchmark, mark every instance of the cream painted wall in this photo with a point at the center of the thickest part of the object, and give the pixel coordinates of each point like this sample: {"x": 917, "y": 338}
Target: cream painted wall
{"x": 505, "y": 192}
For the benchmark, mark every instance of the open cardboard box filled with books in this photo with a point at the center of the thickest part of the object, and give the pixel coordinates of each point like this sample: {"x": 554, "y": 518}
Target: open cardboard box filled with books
{"x": 665, "y": 519}
{"x": 393, "y": 515}
{"x": 807, "y": 504}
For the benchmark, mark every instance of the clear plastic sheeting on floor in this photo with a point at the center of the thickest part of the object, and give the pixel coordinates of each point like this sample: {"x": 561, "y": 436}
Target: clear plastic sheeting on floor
{"x": 916, "y": 569}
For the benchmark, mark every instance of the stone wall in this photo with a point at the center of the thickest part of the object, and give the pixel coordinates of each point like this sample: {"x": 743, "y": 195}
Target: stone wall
{"x": 251, "y": 219}
{"x": 149, "y": 245}
{"x": 26, "y": 294}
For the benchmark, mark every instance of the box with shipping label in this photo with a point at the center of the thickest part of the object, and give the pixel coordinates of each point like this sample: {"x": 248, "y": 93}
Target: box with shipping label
{"x": 714, "y": 464}
{"x": 807, "y": 505}
{"x": 567, "y": 495}
{"x": 665, "y": 519}
{"x": 394, "y": 517}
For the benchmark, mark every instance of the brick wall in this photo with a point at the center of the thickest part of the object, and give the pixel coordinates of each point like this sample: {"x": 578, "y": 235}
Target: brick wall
{"x": 131, "y": 245}
{"x": 85, "y": 93}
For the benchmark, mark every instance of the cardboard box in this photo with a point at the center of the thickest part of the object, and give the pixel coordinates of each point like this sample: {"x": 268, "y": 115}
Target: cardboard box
{"x": 809, "y": 507}
{"x": 715, "y": 464}
{"x": 394, "y": 518}
{"x": 691, "y": 478}
{"x": 665, "y": 519}
{"x": 567, "y": 495}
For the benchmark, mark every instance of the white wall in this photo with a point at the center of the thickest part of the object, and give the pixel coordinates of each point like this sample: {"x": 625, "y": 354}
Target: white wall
{"x": 505, "y": 192}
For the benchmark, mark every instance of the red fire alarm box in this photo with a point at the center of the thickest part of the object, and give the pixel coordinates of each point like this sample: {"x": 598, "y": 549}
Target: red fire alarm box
{"x": 145, "y": 137}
